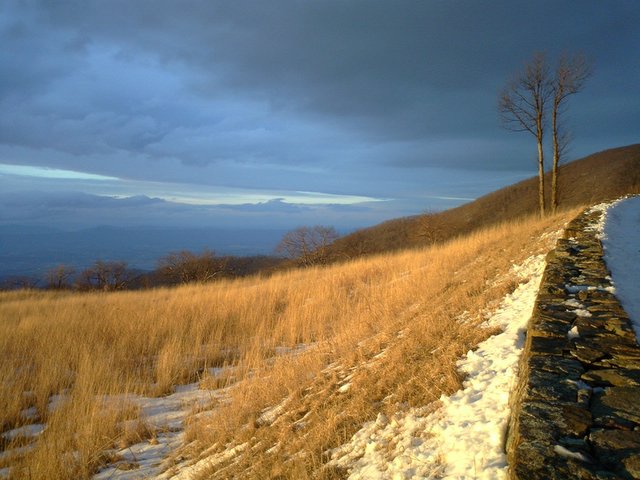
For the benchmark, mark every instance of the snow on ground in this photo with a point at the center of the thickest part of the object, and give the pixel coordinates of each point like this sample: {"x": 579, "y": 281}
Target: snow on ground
{"x": 26, "y": 431}
{"x": 188, "y": 472}
{"x": 620, "y": 235}
{"x": 154, "y": 458}
{"x": 464, "y": 437}
{"x": 165, "y": 415}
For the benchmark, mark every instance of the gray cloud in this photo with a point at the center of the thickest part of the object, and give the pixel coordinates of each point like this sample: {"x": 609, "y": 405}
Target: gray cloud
{"x": 361, "y": 97}
{"x": 78, "y": 210}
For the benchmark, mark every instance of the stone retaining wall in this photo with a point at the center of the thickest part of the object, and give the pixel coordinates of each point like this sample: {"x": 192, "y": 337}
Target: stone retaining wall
{"x": 576, "y": 408}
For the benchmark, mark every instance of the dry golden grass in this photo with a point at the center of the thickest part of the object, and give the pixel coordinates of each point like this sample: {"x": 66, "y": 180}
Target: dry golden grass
{"x": 409, "y": 305}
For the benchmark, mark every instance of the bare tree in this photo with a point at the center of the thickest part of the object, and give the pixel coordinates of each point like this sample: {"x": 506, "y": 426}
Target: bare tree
{"x": 522, "y": 106}
{"x": 308, "y": 245}
{"x": 570, "y": 76}
{"x": 19, "y": 282}
{"x": 59, "y": 277}
{"x": 105, "y": 276}
{"x": 185, "y": 266}
{"x": 430, "y": 228}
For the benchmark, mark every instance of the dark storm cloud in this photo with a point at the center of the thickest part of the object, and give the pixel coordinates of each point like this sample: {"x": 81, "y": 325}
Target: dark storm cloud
{"x": 408, "y": 68}
{"x": 288, "y": 93}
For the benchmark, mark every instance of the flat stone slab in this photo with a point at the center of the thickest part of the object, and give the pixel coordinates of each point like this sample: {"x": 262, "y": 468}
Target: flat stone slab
{"x": 617, "y": 406}
{"x": 568, "y": 368}
{"x": 612, "y": 378}
{"x": 540, "y": 461}
{"x": 545, "y": 421}
{"x": 618, "y": 450}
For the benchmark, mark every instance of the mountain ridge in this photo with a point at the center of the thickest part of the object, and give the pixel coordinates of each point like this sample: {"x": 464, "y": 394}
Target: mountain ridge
{"x": 595, "y": 178}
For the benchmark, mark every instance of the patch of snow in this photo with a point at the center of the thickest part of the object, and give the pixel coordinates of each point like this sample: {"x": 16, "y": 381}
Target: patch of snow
{"x": 30, "y": 413}
{"x": 580, "y": 384}
{"x": 297, "y": 350}
{"x": 189, "y": 472}
{"x": 560, "y": 450}
{"x": 147, "y": 456}
{"x": 169, "y": 412}
{"x": 380, "y": 355}
{"x": 581, "y": 312}
{"x": 573, "y": 333}
{"x": 344, "y": 388}
{"x": 57, "y": 400}
{"x": 272, "y": 450}
{"x": 7, "y": 455}
{"x": 26, "y": 431}
{"x": 576, "y": 288}
{"x": 572, "y": 302}
{"x": 464, "y": 437}
{"x": 269, "y": 415}
{"x": 166, "y": 415}
{"x": 620, "y": 235}
{"x": 598, "y": 226}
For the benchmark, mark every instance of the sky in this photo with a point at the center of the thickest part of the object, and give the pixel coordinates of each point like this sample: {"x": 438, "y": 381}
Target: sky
{"x": 286, "y": 113}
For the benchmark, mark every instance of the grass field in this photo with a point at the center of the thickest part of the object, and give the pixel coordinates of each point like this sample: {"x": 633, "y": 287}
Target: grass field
{"x": 377, "y": 334}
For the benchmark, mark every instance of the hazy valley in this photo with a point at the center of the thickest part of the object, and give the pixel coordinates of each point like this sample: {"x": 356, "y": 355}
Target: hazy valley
{"x": 33, "y": 250}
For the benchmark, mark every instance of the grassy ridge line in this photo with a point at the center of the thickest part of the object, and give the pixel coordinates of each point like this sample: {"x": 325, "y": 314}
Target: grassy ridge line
{"x": 604, "y": 175}
{"x": 92, "y": 344}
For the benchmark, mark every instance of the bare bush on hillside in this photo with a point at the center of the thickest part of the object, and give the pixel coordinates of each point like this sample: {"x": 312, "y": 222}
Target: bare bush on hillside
{"x": 104, "y": 275}
{"x": 430, "y": 228}
{"x": 187, "y": 267}
{"x": 60, "y": 276}
{"x": 308, "y": 245}
{"x": 19, "y": 282}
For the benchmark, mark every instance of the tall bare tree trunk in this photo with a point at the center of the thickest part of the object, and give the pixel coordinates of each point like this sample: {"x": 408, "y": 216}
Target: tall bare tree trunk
{"x": 541, "y": 200}
{"x": 522, "y": 109}
{"x": 556, "y": 160}
{"x": 539, "y": 136}
{"x": 570, "y": 75}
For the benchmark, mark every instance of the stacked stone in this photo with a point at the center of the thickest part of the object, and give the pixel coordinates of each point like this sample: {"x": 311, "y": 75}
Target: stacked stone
{"x": 576, "y": 408}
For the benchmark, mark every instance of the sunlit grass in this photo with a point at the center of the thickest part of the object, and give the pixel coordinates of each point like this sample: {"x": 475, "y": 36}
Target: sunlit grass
{"x": 84, "y": 346}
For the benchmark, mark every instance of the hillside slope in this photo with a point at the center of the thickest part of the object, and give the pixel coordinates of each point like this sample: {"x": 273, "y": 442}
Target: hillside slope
{"x": 246, "y": 378}
{"x": 598, "y": 177}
